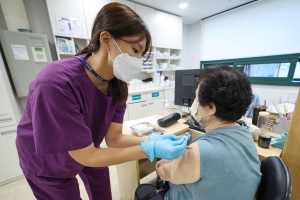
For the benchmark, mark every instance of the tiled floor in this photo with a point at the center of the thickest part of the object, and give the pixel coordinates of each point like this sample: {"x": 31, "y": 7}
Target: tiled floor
{"x": 20, "y": 190}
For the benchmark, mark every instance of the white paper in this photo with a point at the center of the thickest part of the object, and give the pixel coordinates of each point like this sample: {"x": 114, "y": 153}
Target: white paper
{"x": 150, "y": 120}
{"x": 39, "y": 54}
{"x": 284, "y": 108}
{"x": 69, "y": 26}
{"x": 20, "y": 52}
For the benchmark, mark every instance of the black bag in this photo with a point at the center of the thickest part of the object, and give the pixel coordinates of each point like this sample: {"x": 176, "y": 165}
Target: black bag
{"x": 148, "y": 191}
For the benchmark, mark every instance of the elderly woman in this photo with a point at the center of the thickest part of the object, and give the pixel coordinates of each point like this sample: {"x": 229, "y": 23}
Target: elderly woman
{"x": 223, "y": 163}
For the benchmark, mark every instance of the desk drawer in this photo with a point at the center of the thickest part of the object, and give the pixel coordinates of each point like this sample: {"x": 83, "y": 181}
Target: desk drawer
{"x": 133, "y": 98}
{"x": 155, "y": 95}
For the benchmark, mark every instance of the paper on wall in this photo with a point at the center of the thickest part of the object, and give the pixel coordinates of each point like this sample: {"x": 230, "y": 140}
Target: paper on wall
{"x": 20, "y": 52}
{"x": 69, "y": 26}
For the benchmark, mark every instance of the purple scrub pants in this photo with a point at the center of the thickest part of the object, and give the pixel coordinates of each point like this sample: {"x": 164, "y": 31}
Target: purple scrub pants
{"x": 96, "y": 182}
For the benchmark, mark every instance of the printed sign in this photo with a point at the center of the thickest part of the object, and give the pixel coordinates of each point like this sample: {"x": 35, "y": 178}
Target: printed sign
{"x": 155, "y": 94}
{"x": 20, "y": 52}
{"x": 39, "y": 54}
{"x": 136, "y": 97}
{"x": 68, "y": 26}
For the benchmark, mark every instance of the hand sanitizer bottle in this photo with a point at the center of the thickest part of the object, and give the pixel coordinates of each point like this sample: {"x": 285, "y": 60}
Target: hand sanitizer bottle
{"x": 166, "y": 106}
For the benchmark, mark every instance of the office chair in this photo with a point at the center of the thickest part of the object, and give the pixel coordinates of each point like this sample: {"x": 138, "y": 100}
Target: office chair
{"x": 276, "y": 181}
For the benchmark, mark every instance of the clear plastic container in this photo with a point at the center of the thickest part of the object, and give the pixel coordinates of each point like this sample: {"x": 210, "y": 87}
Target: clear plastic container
{"x": 262, "y": 121}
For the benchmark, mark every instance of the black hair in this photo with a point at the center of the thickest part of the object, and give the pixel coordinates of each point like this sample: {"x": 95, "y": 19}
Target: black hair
{"x": 228, "y": 89}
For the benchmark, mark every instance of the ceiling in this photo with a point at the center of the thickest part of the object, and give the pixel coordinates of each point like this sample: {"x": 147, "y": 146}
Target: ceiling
{"x": 196, "y": 10}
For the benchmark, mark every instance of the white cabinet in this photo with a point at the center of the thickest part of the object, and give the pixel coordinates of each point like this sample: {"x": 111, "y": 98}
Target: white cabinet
{"x": 91, "y": 9}
{"x": 147, "y": 14}
{"x": 66, "y": 9}
{"x": 175, "y": 32}
{"x": 126, "y": 114}
{"x": 144, "y": 104}
{"x": 7, "y": 117}
{"x": 137, "y": 110}
{"x": 155, "y": 107}
{"x": 127, "y": 3}
{"x": 170, "y": 95}
{"x": 168, "y": 30}
{"x": 10, "y": 168}
{"x": 162, "y": 30}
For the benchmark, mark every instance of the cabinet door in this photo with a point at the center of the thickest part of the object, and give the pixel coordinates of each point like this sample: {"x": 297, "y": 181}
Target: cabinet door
{"x": 155, "y": 107}
{"x": 170, "y": 95}
{"x": 127, "y": 3}
{"x": 10, "y": 167}
{"x": 91, "y": 9}
{"x": 138, "y": 110}
{"x": 147, "y": 14}
{"x": 126, "y": 114}
{"x": 66, "y": 9}
{"x": 175, "y": 32}
{"x": 7, "y": 117}
{"x": 162, "y": 32}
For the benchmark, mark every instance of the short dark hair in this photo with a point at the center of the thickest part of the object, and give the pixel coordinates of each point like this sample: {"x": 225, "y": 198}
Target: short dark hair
{"x": 228, "y": 88}
{"x": 120, "y": 21}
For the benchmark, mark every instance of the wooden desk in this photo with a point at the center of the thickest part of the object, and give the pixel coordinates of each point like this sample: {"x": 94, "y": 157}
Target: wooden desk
{"x": 130, "y": 173}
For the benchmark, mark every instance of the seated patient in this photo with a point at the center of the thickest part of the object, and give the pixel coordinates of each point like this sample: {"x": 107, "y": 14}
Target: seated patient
{"x": 222, "y": 163}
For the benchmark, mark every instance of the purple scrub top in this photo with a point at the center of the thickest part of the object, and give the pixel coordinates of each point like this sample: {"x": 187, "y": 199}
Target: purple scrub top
{"x": 64, "y": 111}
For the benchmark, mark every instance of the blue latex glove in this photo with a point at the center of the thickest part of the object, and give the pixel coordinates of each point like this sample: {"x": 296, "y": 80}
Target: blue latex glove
{"x": 156, "y": 137}
{"x": 165, "y": 149}
{"x": 187, "y": 135}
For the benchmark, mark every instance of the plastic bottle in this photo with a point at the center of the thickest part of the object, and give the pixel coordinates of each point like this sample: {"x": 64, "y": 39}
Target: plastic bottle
{"x": 166, "y": 107}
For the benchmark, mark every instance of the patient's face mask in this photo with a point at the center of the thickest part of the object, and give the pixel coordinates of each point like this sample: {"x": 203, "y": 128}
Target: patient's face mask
{"x": 194, "y": 110}
{"x": 126, "y": 67}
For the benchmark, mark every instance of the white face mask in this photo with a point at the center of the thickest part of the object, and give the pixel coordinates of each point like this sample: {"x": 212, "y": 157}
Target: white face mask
{"x": 126, "y": 67}
{"x": 194, "y": 109}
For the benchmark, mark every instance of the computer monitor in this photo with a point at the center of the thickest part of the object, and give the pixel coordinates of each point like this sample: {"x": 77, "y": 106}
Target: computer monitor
{"x": 186, "y": 82}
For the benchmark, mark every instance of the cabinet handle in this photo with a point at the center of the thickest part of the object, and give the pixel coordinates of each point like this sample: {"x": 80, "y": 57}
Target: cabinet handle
{"x": 6, "y": 120}
{"x": 151, "y": 103}
{"x": 5, "y": 133}
{"x": 144, "y": 105}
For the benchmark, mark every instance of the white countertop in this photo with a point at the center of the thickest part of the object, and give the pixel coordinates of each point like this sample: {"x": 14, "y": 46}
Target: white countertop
{"x": 148, "y": 90}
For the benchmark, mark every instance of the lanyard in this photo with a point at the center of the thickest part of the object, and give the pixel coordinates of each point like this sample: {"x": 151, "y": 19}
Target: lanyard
{"x": 91, "y": 69}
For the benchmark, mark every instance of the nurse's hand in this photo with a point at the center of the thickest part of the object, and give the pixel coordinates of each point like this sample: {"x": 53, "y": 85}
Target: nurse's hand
{"x": 165, "y": 149}
{"x": 156, "y": 137}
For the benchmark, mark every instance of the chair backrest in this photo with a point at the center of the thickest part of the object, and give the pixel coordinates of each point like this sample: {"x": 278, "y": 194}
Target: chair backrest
{"x": 276, "y": 181}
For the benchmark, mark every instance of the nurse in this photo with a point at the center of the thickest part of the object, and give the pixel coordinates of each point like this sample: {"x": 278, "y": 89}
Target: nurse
{"x": 74, "y": 104}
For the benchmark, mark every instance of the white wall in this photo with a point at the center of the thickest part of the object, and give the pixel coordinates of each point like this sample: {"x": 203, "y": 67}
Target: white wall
{"x": 14, "y": 14}
{"x": 191, "y": 46}
{"x": 268, "y": 28}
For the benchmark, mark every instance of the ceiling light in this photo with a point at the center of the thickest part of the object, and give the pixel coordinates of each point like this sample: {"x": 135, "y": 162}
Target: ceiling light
{"x": 183, "y": 6}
